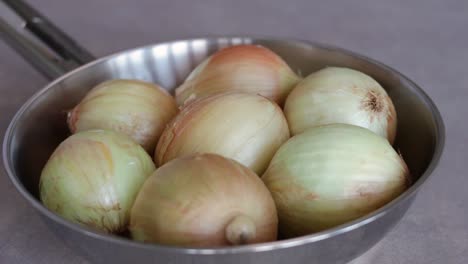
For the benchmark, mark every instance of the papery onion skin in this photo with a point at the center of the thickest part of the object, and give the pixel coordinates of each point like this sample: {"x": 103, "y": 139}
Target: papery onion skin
{"x": 332, "y": 174}
{"x": 247, "y": 68}
{"x": 203, "y": 200}
{"x": 93, "y": 177}
{"x": 136, "y": 108}
{"x": 341, "y": 95}
{"x": 245, "y": 127}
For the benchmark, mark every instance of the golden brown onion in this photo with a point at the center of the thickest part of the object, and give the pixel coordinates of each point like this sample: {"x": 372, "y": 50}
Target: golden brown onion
{"x": 245, "y": 127}
{"x": 203, "y": 200}
{"x": 247, "y": 68}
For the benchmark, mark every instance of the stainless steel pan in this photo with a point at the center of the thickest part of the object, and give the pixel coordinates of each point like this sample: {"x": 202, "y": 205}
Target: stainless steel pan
{"x": 39, "y": 126}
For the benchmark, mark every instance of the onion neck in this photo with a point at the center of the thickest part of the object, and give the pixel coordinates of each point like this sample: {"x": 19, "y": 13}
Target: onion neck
{"x": 240, "y": 230}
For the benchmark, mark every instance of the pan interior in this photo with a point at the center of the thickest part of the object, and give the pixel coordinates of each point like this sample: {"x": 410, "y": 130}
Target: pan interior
{"x": 41, "y": 126}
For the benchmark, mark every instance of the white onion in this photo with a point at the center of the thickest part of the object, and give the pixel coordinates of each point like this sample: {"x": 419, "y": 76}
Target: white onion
{"x": 245, "y": 127}
{"x": 203, "y": 200}
{"x": 136, "y": 108}
{"x": 93, "y": 177}
{"x": 247, "y": 68}
{"x": 341, "y": 95}
{"x": 332, "y": 174}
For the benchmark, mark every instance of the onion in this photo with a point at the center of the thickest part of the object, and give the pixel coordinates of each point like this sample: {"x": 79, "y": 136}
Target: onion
{"x": 203, "y": 200}
{"x": 93, "y": 177}
{"x": 245, "y": 127}
{"x": 248, "y": 68}
{"x": 136, "y": 108}
{"x": 341, "y": 95}
{"x": 332, "y": 174}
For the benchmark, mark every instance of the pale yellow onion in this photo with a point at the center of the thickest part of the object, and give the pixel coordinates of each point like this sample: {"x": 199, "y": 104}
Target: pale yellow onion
{"x": 341, "y": 95}
{"x": 136, "y": 108}
{"x": 245, "y": 127}
{"x": 329, "y": 175}
{"x": 203, "y": 200}
{"x": 93, "y": 177}
{"x": 248, "y": 68}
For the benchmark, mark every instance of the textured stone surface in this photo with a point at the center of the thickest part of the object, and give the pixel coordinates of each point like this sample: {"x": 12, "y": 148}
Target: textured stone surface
{"x": 427, "y": 40}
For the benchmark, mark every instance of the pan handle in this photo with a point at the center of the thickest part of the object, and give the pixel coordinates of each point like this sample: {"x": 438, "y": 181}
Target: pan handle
{"x": 44, "y": 45}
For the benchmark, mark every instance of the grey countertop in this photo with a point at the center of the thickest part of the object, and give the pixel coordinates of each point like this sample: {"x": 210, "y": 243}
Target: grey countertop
{"x": 427, "y": 40}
